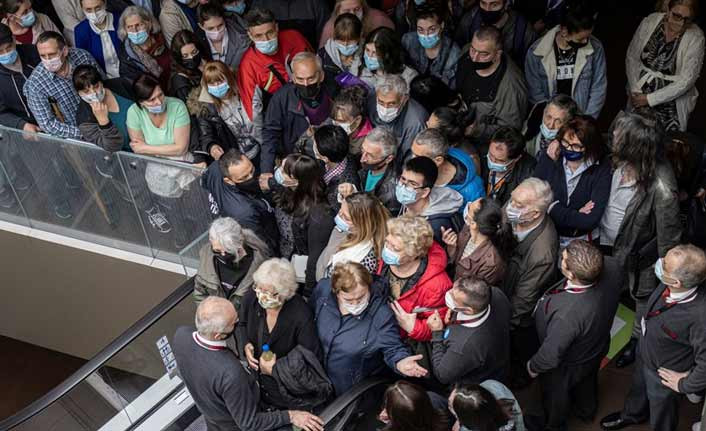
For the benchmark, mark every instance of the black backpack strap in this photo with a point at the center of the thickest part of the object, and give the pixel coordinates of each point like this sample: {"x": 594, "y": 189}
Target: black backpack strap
{"x": 276, "y": 74}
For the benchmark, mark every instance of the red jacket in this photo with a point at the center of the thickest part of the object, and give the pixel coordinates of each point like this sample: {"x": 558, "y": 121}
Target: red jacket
{"x": 429, "y": 292}
{"x": 254, "y": 72}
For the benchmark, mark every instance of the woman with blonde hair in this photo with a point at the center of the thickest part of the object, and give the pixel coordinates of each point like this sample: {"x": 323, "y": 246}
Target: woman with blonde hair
{"x": 370, "y": 17}
{"x": 221, "y": 118}
{"x": 359, "y": 235}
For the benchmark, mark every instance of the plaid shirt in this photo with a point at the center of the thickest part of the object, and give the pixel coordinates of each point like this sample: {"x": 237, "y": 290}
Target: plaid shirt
{"x": 336, "y": 171}
{"x": 43, "y": 85}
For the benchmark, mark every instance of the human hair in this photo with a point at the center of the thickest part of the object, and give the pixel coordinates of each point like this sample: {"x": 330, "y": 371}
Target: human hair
{"x": 477, "y": 409}
{"x": 584, "y": 260}
{"x": 10, "y": 6}
{"x": 578, "y": 15}
{"x": 180, "y": 40}
{"x": 586, "y": 130}
{"x": 542, "y": 192}
{"x": 388, "y": 49}
{"x": 208, "y": 11}
{"x": 635, "y": 142}
{"x": 425, "y": 167}
{"x": 450, "y": 123}
{"x": 512, "y": 139}
{"x": 257, "y": 16}
{"x": 415, "y": 232}
{"x": 51, "y": 35}
{"x": 429, "y": 11}
{"x": 279, "y": 274}
{"x": 351, "y": 100}
{"x": 144, "y": 14}
{"x": 86, "y": 75}
{"x": 434, "y": 141}
{"x": 228, "y": 233}
{"x": 565, "y": 103}
{"x": 385, "y": 138}
{"x": 332, "y": 142}
{"x": 392, "y": 84}
{"x": 230, "y": 158}
{"x": 307, "y": 56}
{"x": 489, "y": 32}
{"x": 144, "y": 86}
{"x": 216, "y": 72}
{"x": 369, "y": 216}
{"x": 310, "y": 189}
{"x": 349, "y": 275}
{"x": 410, "y": 409}
{"x": 490, "y": 222}
{"x": 691, "y": 270}
{"x": 212, "y": 316}
{"x": 476, "y": 291}
{"x": 693, "y": 5}
{"x": 347, "y": 27}
{"x": 431, "y": 92}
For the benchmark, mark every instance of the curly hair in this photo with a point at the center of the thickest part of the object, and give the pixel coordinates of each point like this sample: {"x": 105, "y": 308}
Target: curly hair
{"x": 415, "y": 232}
{"x": 347, "y": 276}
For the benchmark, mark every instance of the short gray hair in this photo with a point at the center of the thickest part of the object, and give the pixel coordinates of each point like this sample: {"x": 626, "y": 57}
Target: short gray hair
{"x": 542, "y": 191}
{"x": 564, "y": 103}
{"x": 212, "y": 316}
{"x": 385, "y": 138}
{"x": 278, "y": 274}
{"x": 434, "y": 140}
{"x": 306, "y": 55}
{"x": 392, "y": 84}
{"x": 144, "y": 14}
{"x": 691, "y": 270}
{"x": 228, "y": 233}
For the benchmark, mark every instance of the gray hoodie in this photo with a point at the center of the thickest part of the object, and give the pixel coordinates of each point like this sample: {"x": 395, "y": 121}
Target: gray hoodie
{"x": 444, "y": 205}
{"x": 332, "y": 51}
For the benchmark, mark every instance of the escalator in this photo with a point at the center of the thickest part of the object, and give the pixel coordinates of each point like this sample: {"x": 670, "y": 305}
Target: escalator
{"x": 132, "y": 384}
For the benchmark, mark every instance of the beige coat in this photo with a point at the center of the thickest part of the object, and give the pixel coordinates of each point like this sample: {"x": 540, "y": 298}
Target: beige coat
{"x": 41, "y": 24}
{"x": 172, "y": 20}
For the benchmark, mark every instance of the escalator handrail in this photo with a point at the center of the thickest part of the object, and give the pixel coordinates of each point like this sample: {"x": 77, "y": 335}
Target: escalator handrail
{"x": 101, "y": 357}
{"x": 340, "y": 403}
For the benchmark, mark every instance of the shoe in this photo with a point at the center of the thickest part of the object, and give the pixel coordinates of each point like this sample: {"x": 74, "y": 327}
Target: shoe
{"x": 614, "y": 421}
{"x": 696, "y": 427}
{"x": 7, "y": 198}
{"x": 627, "y": 357}
{"x": 63, "y": 211}
{"x": 158, "y": 220}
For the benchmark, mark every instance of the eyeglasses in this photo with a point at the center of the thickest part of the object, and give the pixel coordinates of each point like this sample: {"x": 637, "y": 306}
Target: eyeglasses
{"x": 680, "y": 18}
{"x": 572, "y": 147}
{"x": 409, "y": 184}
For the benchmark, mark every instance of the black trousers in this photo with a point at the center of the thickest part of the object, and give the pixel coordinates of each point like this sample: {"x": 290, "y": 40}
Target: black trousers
{"x": 524, "y": 343}
{"x": 649, "y": 398}
{"x": 570, "y": 386}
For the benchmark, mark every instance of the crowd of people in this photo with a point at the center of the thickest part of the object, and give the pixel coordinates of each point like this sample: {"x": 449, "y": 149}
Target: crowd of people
{"x": 413, "y": 188}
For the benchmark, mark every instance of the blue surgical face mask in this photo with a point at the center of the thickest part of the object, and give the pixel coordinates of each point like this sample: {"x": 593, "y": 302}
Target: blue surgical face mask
{"x": 219, "y": 90}
{"x": 9, "y": 57}
{"x": 155, "y": 109}
{"x": 28, "y": 19}
{"x": 267, "y": 47}
{"x": 346, "y": 50}
{"x": 465, "y": 211}
{"x": 497, "y": 167}
{"x": 236, "y": 8}
{"x": 390, "y": 257}
{"x": 419, "y": 2}
{"x": 429, "y": 40}
{"x": 139, "y": 37}
{"x": 405, "y": 195}
{"x": 571, "y": 156}
{"x": 341, "y": 224}
{"x": 372, "y": 63}
{"x": 279, "y": 177}
{"x": 659, "y": 271}
{"x": 547, "y": 133}
{"x": 514, "y": 215}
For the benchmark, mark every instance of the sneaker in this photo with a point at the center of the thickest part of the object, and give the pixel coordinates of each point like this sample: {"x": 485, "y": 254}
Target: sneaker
{"x": 7, "y": 198}
{"x": 63, "y": 211}
{"x": 158, "y": 220}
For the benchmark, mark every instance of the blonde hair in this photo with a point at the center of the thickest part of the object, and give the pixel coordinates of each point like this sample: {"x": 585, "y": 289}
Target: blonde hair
{"x": 279, "y": 274}
{"x": 415, "y": 233}
{"x": 367, "y": 23}
{"x": 369, "y": 217}
{"x": 216, "y": 72}
{"x": 347, "y": 276}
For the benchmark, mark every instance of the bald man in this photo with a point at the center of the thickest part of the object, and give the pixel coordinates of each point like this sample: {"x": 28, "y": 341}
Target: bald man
{"x": 224, "y": 391}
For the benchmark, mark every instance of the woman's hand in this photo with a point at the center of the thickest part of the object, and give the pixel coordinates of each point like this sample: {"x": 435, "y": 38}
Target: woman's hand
{"x": 586, "y": 209}
{"x": 449, "y": 236}
{"x": 638, "y": 100}
{"x": 138, "y": 146}
{"x": 346, "y": 189}
{"x": 554, "y": 150}
{"x": 404, "y": 319}
{"x": 266, "y": 367}
{"x": 216, "y": 151}
{"x": 250, "y": 356}
{"x": 409, "y": 367}
{"x": 100, "y": 111}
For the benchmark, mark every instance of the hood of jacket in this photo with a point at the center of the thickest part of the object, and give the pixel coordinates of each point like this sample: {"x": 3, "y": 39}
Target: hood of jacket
{"x": 443, "y": 200}
{"x": 200, "y": 102}
{"x": 332, "y": 51}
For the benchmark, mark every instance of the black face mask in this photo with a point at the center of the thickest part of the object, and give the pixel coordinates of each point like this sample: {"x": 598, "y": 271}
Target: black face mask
{"x": 373, "y": 166}
{"x": 192, "y": 63}
{"x": 480, "y": 65}
{"x": 490, "y": 17}
{"x": 226, "y": 259}
{"x": 576, "y": 45}
{"x": 309, "y": 92}
{"x": 251, "y": 186}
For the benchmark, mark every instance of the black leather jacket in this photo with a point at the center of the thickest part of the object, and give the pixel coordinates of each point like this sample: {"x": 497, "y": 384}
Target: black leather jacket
{"x": 385, "y": 188}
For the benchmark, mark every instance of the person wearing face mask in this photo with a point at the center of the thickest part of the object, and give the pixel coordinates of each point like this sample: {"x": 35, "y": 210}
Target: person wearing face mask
{"x": 540, "y": 132}
{"x": 16, "y": 64}
{"x": 97, "y": 35}
{"x": 178, "y": 15}
{"x": 474, "y": 346}
{"x": 578, "y": 170}
{"x": 405, "y": 13}
{"x": 357, "y": 328}
{"x": 273, "y": 314}
{"x": 489, "y": 404}
{"x": 517, "y": 33}
{"x": 341, "y": 54}
{"x": 221, "y": 118}
{"x": 407, "y": 406}
{"x": 227, "y": 263}
{"x": 52, "y": 80}
{"x": 531, "y": 268}
{"x": 227, "y": 39}
{"x": 331, "y": 148}
{"x": 349, "y": 112}
{"x": 491, "y": 85}
{"x": 234, "y": 9}
{"x": 25, "y": 23}
{"x": 506, "y": 164}
{"x": 188, "y": 60}
{"x": 390, "y": 106}
{"x": 663, "y": 62}
{"x": 295, "y": 109}
{"x": 431, "y": 51}
{"x": 144, "y": 48}
{"x": 384, "y": 55}
{"x": 225, "y": 393}
{"x": 308, "y": 17}
{"x": 569, "y": 60}
{"x": 369, "y": 17}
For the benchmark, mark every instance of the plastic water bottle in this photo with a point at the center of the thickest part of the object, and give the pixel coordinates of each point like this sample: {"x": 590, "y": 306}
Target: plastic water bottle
{"x": 267, "y": 355}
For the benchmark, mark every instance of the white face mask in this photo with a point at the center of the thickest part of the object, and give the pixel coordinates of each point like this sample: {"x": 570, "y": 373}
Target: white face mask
{"x": 216, "y": 36}
{"x": 345, "y": 126}
{"x": 53, "y": 64}
{"x": 356, "y": 309}
{"x": 97, "y": 17}
{"x": 388, "y": 114}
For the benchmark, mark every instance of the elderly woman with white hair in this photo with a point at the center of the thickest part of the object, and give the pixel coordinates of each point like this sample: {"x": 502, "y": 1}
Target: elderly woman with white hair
{"x": 144, "y": 49}
{"x": 274, "y": 315}
{"x": 228, "y": 261}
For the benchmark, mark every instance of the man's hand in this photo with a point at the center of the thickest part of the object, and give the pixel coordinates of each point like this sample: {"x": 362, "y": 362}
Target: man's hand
{"x": 216, "y": 152}
{"x": 638, "y": 100}
{"x": 267, "y": 366}
{"x": 29, "y": 127}
{"x": 434, "y": 322}
{"x": 554, "y": 150}
{"x": 409, "y": 367}
{"x": 250, "y": 356}
{"x": 671, "y": 378}
{"x": 100, "y": 111}
{"x": 346, "y": 189}
{"x": 586, "y": 209}
{"x": 449, "y": 236}
{"x": 531, "y": 373}
{"x": 305, "y": 420}
{"x": 449, "y": 315}
{"x": 404, "y": 319}
{"x": 263, "y": 180}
